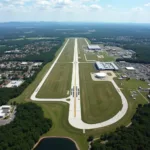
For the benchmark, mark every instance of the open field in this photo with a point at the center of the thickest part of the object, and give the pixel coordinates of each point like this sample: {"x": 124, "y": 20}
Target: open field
{"x": 131, "y": 84}
{"x": 81, "y": 43}
{"x": 99, "y": 100}
{"x": 132, "y": 105}
{"x": 67, "y": 54}
{"x": 94, "y": 56}
{"x": 58, "y": 82}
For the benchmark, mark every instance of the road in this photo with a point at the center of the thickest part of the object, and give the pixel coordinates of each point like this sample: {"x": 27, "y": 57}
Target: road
{"x": 75, "y": 118}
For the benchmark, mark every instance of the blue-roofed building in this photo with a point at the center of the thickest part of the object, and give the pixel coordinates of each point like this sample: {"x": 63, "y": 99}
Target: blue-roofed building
{"x": 106, "y": 66}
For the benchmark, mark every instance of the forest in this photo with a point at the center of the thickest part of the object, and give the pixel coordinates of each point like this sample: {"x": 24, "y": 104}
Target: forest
{"x": 135, "y": 137}
{"x": 27, "y": 127}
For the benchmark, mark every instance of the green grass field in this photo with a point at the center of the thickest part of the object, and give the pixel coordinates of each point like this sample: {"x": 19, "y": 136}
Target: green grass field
{"x": 67, "y": 54}
{"x": 99, "y": 100}
{"x": 81, "y": 43}
{"x": 58, "y": 82}
{"x": 132, "y": 105}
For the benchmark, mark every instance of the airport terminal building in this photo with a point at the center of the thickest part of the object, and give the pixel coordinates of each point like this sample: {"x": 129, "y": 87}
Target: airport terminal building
{"x": 106, "y": 66}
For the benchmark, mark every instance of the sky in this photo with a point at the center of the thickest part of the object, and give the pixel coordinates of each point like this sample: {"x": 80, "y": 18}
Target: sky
{"x": 134, "y": 11}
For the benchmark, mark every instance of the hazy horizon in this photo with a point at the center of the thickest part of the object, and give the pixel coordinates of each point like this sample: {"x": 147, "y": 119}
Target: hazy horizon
{"x": 115, "y": 11}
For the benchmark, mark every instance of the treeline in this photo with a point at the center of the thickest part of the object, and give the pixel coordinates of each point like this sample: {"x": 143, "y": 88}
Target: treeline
{"x": 133, "y": 60}
{"x": 27, "y": 127}
{"x": 135, "y": 137}
{"x": 8, "y": 93}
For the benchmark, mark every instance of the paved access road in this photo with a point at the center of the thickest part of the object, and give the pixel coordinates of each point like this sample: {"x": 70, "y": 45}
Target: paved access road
{"x": 74, "y": 104}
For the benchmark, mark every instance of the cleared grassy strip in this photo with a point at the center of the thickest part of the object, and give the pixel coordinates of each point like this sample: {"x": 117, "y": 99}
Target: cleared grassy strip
{"x": 132, "y": 105}
{"x": 100, "y": 101}
{"x": 67, "y": 54}
{"x": 81, "y": 45}
{"x": 58, "y": 82}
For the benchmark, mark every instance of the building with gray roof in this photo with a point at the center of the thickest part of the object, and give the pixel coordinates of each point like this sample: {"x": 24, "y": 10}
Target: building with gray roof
{"x": 106, "y": 66}
{"x": 94, "y": 47}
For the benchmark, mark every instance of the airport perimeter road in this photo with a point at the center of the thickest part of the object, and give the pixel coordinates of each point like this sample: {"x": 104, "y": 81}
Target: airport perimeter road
{"x": 33, "y": 96}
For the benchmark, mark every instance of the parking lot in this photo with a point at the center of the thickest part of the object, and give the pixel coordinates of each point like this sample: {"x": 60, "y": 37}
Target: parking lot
{"x": 140, "y": 72}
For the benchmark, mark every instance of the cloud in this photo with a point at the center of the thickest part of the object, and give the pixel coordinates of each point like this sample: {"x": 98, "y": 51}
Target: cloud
{"x": 147, "y": 5}
{"x": 95, "y": 7}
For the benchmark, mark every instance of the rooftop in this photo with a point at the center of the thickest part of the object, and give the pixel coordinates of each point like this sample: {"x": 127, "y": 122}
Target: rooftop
{"x": 94, "y": 47}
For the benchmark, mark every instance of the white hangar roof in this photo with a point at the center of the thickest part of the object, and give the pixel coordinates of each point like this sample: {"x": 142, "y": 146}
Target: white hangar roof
{"x": 94, "y": 47}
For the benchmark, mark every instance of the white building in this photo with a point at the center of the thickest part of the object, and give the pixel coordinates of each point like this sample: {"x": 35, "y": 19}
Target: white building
{"x": 94, "y": 47}
{"x": 4, "y": 110}
{"x": 100, "y": 75}
{"x": 130, "y": 68}
{"x": 24, "y": 63}
{"x": 14, "y": 83}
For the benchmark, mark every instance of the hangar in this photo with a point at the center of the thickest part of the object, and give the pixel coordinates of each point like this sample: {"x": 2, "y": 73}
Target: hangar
{"x": 106, "y": 66}
{"x": 94, "y": 47}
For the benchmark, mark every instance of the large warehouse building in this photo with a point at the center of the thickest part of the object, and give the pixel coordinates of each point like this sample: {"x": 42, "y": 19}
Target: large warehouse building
{"x": 94, "y": 47}
{"x": 106, "y": 66}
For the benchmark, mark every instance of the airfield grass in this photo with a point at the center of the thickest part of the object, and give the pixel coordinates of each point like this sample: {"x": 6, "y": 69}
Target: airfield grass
{"x": 99, "y": 100}
{"x": 58, "y": 83}
{"x": 81, "y": 45}
{"x": 67, "y": 54}
{"x": 126, "y": 87}
{"x": 94, "y": 56}
{"x": 58, "y": 112}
